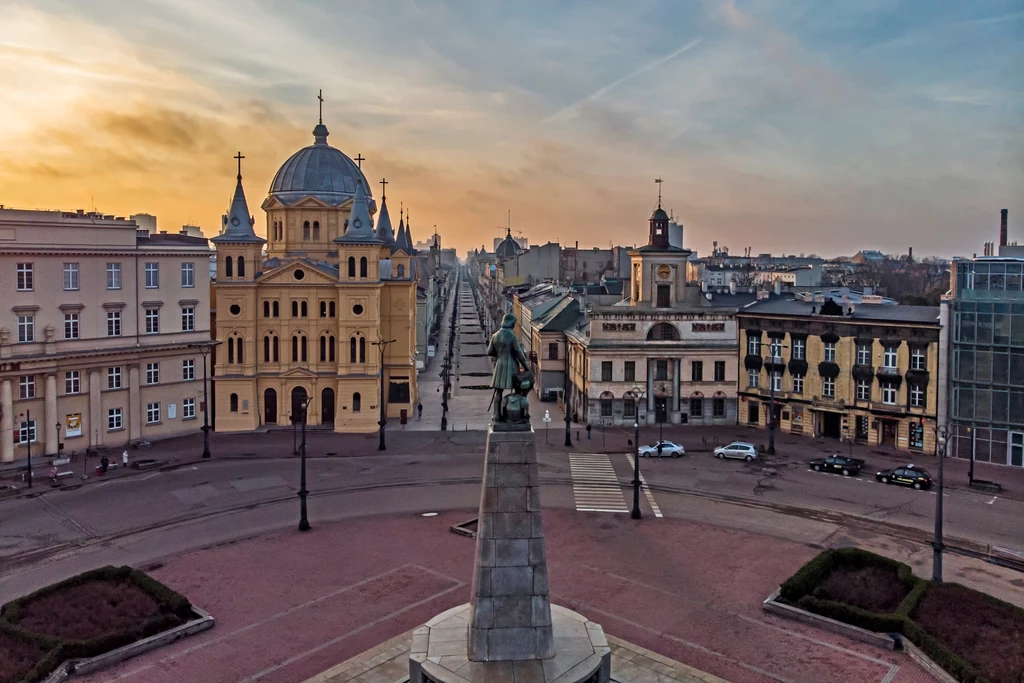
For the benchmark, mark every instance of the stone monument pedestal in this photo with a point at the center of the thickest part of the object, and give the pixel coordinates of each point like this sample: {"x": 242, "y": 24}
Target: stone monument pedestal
{"x": 439, "y": 653}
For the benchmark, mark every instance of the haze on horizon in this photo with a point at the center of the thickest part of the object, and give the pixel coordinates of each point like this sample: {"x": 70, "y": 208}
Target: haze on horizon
{"x": 785, "y": 125}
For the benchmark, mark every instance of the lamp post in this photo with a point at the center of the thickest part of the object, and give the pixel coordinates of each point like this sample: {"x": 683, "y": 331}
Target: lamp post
{"x": 635, "y": 512}
{"x": 28, "y": 446}
{"x": 568, "y": 395}
{"x": 204, "y": 350}
{"x": 774, "y": 352}
{"x": 937, "y": 546}
{"x": 382, "y": 346}
{"x": 303, "y": 519}
{"x": 60, "y": 446}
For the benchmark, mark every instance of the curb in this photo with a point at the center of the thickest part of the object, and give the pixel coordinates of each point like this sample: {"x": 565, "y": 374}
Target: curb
{"x": 772, "y": 606}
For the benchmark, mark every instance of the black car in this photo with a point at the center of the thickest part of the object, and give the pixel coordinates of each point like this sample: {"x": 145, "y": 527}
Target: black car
{"x": 837, "y": 463}
{"x": 908, "y": 475}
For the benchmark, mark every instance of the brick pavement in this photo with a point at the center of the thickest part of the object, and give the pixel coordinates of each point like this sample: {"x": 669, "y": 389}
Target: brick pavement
{"x": 291, "y": 605}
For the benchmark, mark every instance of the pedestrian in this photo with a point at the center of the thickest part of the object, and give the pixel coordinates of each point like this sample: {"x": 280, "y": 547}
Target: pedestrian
{"x": 104, "y": 464}
{"x": 419, "y": 409}
{"x": 124, "y": 459}
{"x": 588, "y": 431}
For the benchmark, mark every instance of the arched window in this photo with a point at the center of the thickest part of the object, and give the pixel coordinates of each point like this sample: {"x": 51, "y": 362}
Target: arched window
{"x": 277, "y": 348}
{"x": 362, "y": 267}
{"x": 323, "y": 309}
{"x": 362, "y": 349}
{"x": 277, "y": 310}
{"x": 663, "y": 332}
{"x": 305, "y": 230}
{"x": 231, "y": 351}
{"x": 241, "y": 266}
{"x": 333, "y": 310}
{"x": 305, "y": 356}
{"x": 357, "y": 402}
{"x": 351, "y": 266}
{"x": 305, "y": 309}
{"x": 238, "y": 342}
{"x": 233, "y": 403}
{"x": 266, "y": 309}
{"x": 295, "y": 309}
{"x": 323, "y": 349}
{"x": 401, "y": 270}
{"x": 316, "y": 230}
{"x": 229, "y": 267}
{"x": 266, "y": 349}
{"x": 330, "y": 346}
{"x": 352, "y": 350}
{"x": 295, "y": 349}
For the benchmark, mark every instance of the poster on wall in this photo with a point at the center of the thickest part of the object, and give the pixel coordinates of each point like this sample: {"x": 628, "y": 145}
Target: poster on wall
{"x": 73, "y": 425}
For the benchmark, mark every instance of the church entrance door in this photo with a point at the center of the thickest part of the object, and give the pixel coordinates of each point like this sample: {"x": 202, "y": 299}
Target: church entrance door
{"x": 299, "y": 398}
{"x": 327, "y": 406}
{"x": 270, "y": 407}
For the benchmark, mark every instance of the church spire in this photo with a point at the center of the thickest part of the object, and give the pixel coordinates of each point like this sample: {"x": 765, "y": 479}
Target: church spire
{"x": 359, "y": 228}
{"x": 237, "y": 223}
{"x": 385, "y": 233}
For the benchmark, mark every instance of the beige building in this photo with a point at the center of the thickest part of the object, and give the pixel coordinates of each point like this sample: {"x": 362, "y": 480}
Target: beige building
{"x": 94, "y": 337}
{"x": 302, "y": 322}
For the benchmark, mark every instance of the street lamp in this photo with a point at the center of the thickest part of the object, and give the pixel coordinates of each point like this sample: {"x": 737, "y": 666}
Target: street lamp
{"x": 303, "y": 519}
{"x": 775, "y": 352}
{"x": 204, "y": 350}
{"x": 382, "y": 346}
{"x": 568, "y": 396}
{"x": 60, "y": 446}
{"x": 937, "y": 546}
{"x": 637, "y": 395}
{"x": 28, "y": 445}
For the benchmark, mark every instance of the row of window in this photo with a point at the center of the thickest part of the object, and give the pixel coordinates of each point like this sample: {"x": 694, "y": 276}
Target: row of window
{"x": 73, "y": 379}
{"x": 918, "y": 357}
{"x": 26, "y": 276}
{"x": 115, "y": 419}
{"x": 661, "y": 371}
{"x": 300, "y": 349}
{"x": 890, "y": 391}
{"x": 696, "y": 407}
{"x": 300, "y": 309}
{"x": 229, "y": 267}
{"x": 72, "y": 324}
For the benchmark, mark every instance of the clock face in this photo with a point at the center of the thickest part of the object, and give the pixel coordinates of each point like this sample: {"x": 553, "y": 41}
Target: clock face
{"x": 234, "y": 220}
{"x": 664, "y": 272}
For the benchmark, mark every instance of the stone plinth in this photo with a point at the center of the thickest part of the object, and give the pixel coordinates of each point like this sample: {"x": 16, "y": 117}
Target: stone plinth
{"x": 510, "y": 615}
{"x": 439, "y": 653}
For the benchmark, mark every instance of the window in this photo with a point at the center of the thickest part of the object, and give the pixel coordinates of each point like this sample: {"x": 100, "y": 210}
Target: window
{"x": 799, "y": 349}
{"x": 152, "y": 321}
{"x": 776, "y": 378}
{"x": 152, "y": 413}
{"x": 362, "y": 267}
{"x": 27, "y": 432}
{"x": 888, "y": 393}
{"x": 697, "y": 371}
{"x": 362, "y": 349}
{"x": 152, "y": 373}
{"x": 863, "y": 390}
{"x": 696, "y": 407}
{"x": 323, "y": 309}
{"x": 863, "y": 354}
{"x": 664, "y": 296}
{"x": 71, "y": 326}
{"x": 113, "y": 276}
{"x": 752, "y": 378}
{"x": 351, "y": 266}
{"x": 72, "y": 382}
{"x": 552, "y": 350}
{"x": 188, "y": 369}
{"x": 401, "y": 270}
{"x": 357, "y": 402}
{"x": 188, "y": 408}
{"x": 917, "y": 396}
{"x": 775, "y": 347}
{"x": 316, "y": 230}
{"x": 114, "y": 420}
{"x": 918, "y": 360}
{"x": 305, "y": 309}
{"x": 798, "y": 384}
{"x": 25, "y": 277}
{"x": 753, "y": 345}
{"x": 188, "y": 319}
{"x": 70, "y": 277}
{"x": 628, "y": 407}
{"x": 305, "y": 230}
{"x": 229, "y": 267}
{"x": 606, "y": 407}
{"x": 828, "y": 387}
{"x": 606, "y": 371}
{"x": 235, "y": 350}
{"x": 153, "y": 275}
{"x": 719, "y": 370}
{"x": 266, "y": 309}
{"x": 188, "y": 275}
{"x": 629, "y": 371}
{"x": 26, "y": 328}
{"x": 830, "y": 352}
{"x": 277, "y": 310}
{"x": 113, "y": 323}
{"x": 241, "y": 266}
{"x": 233, "y": 403}
{"x": 332, "y": 309}
{"x": 27, "y": 386}
{"x": 114, "y": 378}
{"x": 889, "y": 358}
{"x": 295, "y": 309}
{"x": 663, "y": 332}
{"x": 398, "y": 392}
{"x": 718, "y": 407}
{"x": 661, "y": 369}
{"x": 299, "y": 349}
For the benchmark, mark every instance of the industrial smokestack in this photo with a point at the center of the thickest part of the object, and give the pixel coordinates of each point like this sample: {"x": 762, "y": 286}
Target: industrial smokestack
{"x": 1002, "y": 227}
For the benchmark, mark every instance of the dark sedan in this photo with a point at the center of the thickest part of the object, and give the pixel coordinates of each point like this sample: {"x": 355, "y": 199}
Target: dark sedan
{"x": 837, "y": 463}
{"x": 908, "y": 475}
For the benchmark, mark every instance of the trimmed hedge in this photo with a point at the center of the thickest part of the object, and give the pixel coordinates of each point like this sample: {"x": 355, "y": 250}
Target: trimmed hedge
{"x": 175, "y": 610}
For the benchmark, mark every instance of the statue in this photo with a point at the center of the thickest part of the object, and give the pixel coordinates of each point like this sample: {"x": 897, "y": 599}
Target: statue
{"x": 511, "y": 373}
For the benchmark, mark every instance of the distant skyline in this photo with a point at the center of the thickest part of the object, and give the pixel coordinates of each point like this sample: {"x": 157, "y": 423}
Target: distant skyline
{"x": 784, "y": 125}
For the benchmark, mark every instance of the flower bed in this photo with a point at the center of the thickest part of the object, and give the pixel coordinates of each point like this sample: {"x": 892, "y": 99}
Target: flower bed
{"x": 973, "y": 636}
{"x": 85, "y": 616}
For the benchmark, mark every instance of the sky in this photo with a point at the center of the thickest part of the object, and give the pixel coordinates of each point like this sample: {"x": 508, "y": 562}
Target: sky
{"x": 789, "y": 126}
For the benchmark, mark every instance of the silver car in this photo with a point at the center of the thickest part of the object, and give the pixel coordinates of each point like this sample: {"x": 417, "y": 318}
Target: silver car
{"x": 668, "y": 449}
{"x": 737, "y": 449}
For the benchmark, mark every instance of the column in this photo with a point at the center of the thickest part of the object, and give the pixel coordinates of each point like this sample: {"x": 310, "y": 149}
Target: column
{"x": 50, "y": 426}
{"x": 7, "y": 424}
{"x": 96, "y": 419}
{"x": 677, "y": 384}
{"x": 135, "y": 407}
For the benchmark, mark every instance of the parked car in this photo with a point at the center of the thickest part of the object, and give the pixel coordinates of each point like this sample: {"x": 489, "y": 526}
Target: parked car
{"x": 908, "y": 475}
{"x": 837, "y": 463}
{"x": 737, "y": 449}
{"x": 660, "y": 448}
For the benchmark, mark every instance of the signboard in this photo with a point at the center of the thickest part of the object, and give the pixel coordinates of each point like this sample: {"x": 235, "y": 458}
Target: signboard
{"x": 431, "y": 350}
{"x": 56, "y": 462}
{"x": 73, "y": 425}
{"x": 547, "y": 416}
{"x": 707, "y": 327}
{"x": 618, "y": 327}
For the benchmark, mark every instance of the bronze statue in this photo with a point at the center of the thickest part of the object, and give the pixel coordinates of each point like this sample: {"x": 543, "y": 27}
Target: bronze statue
{"x": 511, "y": 373}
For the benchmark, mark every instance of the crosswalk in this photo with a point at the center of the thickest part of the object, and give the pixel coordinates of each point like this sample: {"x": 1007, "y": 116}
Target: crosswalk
{"x": 595, "y": 487}
{"x": 647, "y": 491}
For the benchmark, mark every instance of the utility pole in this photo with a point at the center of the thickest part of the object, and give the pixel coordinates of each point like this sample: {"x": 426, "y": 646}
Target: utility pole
{"x": 382, "y": 346}
{"x": 937, "y": 545}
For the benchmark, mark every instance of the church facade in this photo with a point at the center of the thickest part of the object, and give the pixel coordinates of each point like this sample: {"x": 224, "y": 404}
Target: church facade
{"x": 318, "y": 319}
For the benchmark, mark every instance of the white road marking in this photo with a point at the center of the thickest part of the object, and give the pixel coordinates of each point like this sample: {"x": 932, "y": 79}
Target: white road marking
{"x": 994, "y": 499}
{"x": 594, "y": 484}
{"x": 150, "y": 476}
{"x": 647, "y": 492}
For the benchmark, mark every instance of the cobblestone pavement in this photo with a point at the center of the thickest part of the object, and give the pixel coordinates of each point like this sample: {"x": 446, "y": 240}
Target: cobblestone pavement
{"x": 289, "y": 605}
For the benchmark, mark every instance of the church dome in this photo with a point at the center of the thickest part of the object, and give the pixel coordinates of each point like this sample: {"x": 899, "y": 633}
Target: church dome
{"x": 507, "y": 248}
{"x": 319, "y": 171}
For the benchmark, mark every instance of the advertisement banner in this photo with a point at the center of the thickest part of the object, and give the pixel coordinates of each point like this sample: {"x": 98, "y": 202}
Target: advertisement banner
{"x": 73, "y": 425}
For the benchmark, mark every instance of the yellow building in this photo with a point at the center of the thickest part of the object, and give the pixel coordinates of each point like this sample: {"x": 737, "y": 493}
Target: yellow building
{"x": 865, "y": 371}
{"x": 305, "y": 320}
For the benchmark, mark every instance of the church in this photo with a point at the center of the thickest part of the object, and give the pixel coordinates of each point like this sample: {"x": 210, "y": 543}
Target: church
{"x": 321, "y": 314}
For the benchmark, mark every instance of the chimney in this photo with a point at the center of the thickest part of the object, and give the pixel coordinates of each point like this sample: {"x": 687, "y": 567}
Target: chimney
{"x": 910, "y": 255}
{"x": 732, "y": 286}
{"x": 1002, "y": 227}
{"x": 778, "y": 287}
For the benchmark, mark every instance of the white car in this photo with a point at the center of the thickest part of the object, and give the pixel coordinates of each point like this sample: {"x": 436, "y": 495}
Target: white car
{"x": 737, "y": 449}
{"x": 667, "y": 449}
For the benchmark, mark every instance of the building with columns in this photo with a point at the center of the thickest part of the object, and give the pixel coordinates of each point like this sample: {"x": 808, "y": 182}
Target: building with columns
{"x": 94, "y": 342}
{"x": 300, "y": 324}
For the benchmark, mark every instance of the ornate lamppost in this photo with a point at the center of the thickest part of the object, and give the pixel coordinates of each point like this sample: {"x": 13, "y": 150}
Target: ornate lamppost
{"x": 204, "y": 350}
{"x": 382, "y": 346}
{"x": 303, "y": 518}
{"x": 937, "y": 545}
{"x": 637, "y": 395}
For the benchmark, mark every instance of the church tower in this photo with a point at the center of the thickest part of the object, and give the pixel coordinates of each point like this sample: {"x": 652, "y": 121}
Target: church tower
{"x": 658, "y": 268}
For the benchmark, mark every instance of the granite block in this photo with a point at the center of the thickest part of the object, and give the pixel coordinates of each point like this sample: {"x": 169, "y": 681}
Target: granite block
{"x": 512, "y": 475}
{"x": 537, "y": 530}
{"x": 477, "y": 644}
{"x": 545, "y": 642}
{"x": 512, "y": 499}
{"x": 485, "y": 552}
{"x": 482, "y": 582}
{"x": 541, "y": 611}
{"x": 540, "y": 580}
{"x": 512, "y": 524}
{"x": 489, "y": 499}
{"x": 511, "y": 553}
{"x": 533, "y": 500}
{"x": 537, "y": 553}
{"x": 510, "y": 581}
{"x": 513, "y": 612}
{"x": 482, "y": 613}
{"x": 529, "y": 672}
{"x": 512, "y": 643}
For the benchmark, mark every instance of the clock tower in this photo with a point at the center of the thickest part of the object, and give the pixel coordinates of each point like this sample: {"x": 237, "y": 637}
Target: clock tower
{"x": 658, "y": 268}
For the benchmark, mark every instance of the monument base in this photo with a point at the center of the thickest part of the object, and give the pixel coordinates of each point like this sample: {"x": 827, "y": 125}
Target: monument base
{"x": 440, "y": 648}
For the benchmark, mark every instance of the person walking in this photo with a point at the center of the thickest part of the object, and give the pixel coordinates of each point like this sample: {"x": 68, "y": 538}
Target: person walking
{"x": 124, "y": 459}
{"x": 419, "y": 410}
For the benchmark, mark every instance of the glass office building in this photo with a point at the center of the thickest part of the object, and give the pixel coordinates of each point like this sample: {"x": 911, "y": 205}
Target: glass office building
{"x": 986, "y": 399}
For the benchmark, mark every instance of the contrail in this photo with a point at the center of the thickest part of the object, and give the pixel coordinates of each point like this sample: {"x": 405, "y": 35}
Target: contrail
{"x": 567, "y": 112}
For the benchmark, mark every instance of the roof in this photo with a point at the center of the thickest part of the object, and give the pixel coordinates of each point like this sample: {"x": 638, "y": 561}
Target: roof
{"x": 320, "y": 171}
{"x": 359, "y": 228}
{"x": 560, "y": 317}
{"x": 238, "y": 222}
{"x": 896, "y": 313}
{"x": 508, "y": 247}
{"x": 385, "y": 233}
{"x": 662, "y": 250}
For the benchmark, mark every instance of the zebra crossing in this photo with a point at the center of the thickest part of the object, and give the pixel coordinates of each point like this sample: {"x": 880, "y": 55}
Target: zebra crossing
{"x": 647, "y": 491}
{"x": 595, "y": 487}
